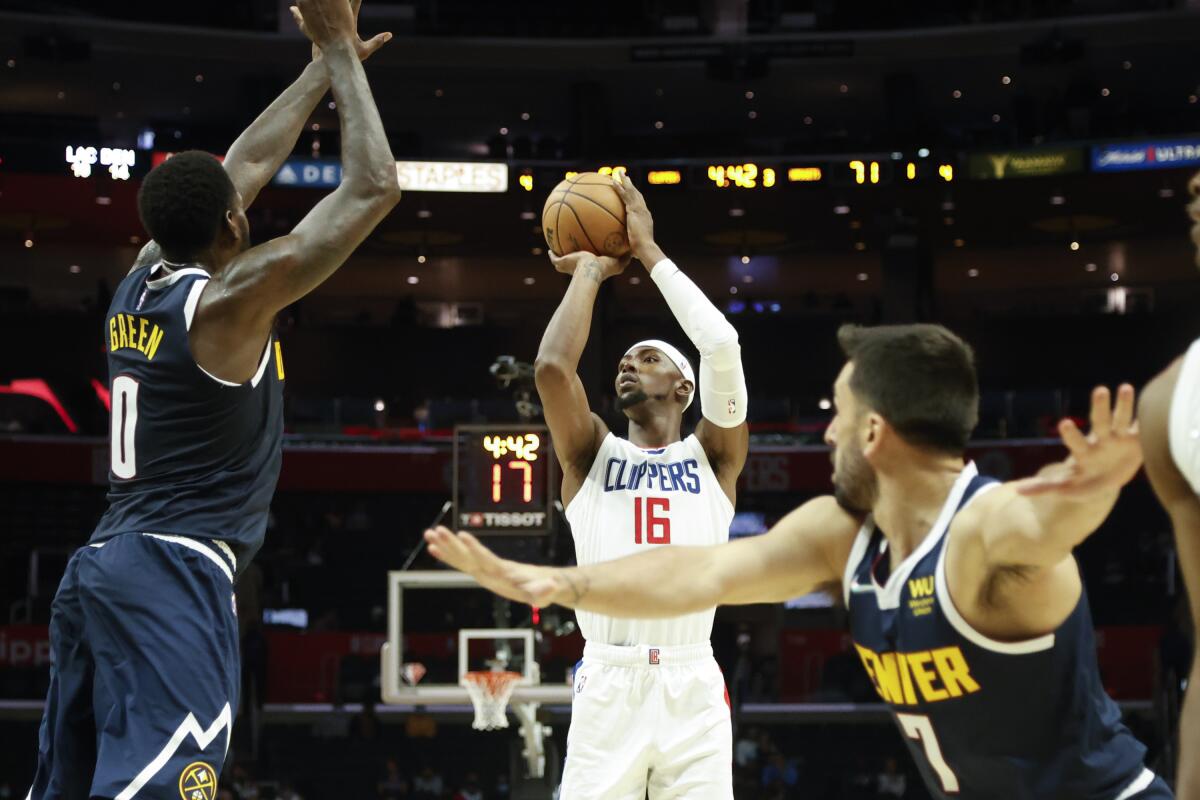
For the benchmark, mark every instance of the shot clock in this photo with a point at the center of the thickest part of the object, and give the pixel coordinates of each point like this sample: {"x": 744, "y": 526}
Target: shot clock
{"x": 503, "y": 479}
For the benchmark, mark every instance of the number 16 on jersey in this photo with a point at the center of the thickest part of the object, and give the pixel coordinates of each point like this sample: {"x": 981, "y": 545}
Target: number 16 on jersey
{"x": 651, "y": 521}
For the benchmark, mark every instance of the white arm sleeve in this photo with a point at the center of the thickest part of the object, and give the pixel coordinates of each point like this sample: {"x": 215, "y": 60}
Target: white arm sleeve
{"x": 723, "y": 397}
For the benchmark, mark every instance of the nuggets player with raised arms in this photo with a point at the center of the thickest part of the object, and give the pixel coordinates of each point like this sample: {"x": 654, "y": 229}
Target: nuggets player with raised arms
{"x": 966, "y": 604}
{"x": 1169, "y": 414}
{"x": 145, "y": 673}
{"x": 650, "y": 713}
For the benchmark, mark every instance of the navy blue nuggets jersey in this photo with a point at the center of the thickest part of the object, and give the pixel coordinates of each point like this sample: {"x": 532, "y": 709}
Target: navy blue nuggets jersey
{"x": 982, "y": 718}
{"x": 192, "y": 455}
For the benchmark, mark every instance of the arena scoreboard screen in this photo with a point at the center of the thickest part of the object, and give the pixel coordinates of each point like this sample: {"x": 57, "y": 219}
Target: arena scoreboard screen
{"x": 503, "y": 479}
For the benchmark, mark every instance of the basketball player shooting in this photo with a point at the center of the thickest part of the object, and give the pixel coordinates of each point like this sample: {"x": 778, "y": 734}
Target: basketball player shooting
{"x": 145, "y": 671}
{"x": 965, "y": 602}
{"x": 650, "y": 712}
{"x": 1170, "y": 420}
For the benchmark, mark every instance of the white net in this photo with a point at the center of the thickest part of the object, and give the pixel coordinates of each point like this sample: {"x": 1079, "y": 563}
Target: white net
{"x": 489, "y": 692}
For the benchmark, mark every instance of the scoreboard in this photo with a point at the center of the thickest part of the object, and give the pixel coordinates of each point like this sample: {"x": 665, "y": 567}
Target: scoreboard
{"x": 775, "y": 175}
{"x": 503, "y": 479}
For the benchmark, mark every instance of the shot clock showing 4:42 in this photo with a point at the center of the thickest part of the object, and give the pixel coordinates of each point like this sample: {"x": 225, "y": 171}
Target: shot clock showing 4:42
{"x": 503, "y": 479}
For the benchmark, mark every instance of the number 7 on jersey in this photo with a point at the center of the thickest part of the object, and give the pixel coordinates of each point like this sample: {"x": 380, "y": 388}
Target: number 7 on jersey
{"x": 919, "y": 727}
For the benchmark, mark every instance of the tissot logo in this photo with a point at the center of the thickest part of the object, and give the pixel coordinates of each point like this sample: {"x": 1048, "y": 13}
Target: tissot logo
{"x": 502, "y": 519}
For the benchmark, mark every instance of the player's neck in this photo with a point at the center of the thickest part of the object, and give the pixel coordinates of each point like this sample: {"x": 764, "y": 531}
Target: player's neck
{"x": 654, "y": 432}
{"x": 910, "y": 500}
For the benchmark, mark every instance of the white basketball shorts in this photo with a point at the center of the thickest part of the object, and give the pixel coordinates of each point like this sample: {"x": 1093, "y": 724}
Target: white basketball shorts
{"x": 649, "y": 719}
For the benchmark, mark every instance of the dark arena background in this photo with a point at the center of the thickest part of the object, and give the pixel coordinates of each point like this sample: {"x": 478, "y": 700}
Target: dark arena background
{"x": 1015, "y": 170}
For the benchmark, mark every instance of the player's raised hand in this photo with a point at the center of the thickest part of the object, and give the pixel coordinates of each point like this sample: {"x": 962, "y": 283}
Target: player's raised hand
{"x": 363, "y": 48}
{"x": 327, "y": 21}
{"x": 639, "y": 224}
{"x": 609, "y": 266}
{"x": 525, "y": 583}
{"x": 1104, "y": 460}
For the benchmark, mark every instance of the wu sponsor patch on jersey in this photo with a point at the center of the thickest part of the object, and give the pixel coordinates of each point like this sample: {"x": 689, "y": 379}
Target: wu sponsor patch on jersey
{"x": 920, "y": 599}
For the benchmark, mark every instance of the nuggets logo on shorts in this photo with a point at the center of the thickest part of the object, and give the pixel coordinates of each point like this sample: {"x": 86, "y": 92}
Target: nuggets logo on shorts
{"x": 198, "y": 781}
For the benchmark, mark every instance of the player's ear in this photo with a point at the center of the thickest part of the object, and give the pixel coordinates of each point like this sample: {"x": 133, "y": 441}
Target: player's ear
{"x": 230, "y": 230}
{"x": 873, "y": 434}
{"x": 684, "y": 389}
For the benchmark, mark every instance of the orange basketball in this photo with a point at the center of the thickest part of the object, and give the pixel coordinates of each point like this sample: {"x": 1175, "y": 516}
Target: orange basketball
{"x": 585, "y": 213}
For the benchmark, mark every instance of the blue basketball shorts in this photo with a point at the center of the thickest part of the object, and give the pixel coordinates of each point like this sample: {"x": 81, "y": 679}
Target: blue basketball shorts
{"x": 145, "y": 672}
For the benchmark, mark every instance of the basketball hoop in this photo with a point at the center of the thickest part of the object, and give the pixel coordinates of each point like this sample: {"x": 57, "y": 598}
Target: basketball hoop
{"x": 489, "y": 691}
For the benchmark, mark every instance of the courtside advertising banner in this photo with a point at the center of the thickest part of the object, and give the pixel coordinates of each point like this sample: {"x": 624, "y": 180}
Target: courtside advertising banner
{"x": 1128, "y": 156}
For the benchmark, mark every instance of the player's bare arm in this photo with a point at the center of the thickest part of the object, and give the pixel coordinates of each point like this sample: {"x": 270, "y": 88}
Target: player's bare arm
{"x": 1009, "y": 563}
{"x": 805, "y": 551}
{"x": 1183, "y": 507}
{"x": 256, "y": 155}
{"x": 722, "y": 430}
{"x": 235, "y": 313}
{"x": 575, "y": 430}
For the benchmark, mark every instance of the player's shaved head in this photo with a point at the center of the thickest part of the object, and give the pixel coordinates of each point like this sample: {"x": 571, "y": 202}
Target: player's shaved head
{"x": 182, "y": 203}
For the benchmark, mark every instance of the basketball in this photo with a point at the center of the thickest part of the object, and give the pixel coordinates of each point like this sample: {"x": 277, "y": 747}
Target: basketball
{"x": 585, "y": 212}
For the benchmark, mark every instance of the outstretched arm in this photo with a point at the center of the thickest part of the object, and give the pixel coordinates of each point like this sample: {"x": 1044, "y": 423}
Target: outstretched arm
{"x": 1038, "y": 521}
{"x": 1183, "y": 507}
{"x": 723, "y": 431}
{"x": 237, "y": 309}
{"x": 256, "y": 155}
{"x": 575, "y": 430}
{"x": 805, "y": 551}
{"x": 1009, "y": 563}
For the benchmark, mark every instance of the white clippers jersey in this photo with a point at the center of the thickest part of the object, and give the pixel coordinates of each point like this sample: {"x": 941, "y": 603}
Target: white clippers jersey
{"x": 635, "y": 499}
{"x": 1183, "y": 430}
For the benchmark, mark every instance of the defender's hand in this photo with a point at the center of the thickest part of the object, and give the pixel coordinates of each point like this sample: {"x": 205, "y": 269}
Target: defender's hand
{"x": 525, "y": 583}
{"x": 608, "y": 265}
{"x": 327, "y": 21}
{"x": 1104, "y": 460}
{"x": 363, "y": 49}
{"x": 639, "y": 225}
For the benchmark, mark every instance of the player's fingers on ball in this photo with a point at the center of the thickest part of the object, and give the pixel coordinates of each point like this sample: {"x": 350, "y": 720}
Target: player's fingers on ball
{"x": 1101, "y": 416}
